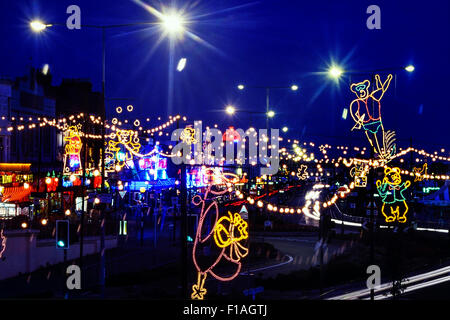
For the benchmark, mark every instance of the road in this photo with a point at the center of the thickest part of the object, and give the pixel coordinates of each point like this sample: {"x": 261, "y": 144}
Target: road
{"x": 303, "y": 250}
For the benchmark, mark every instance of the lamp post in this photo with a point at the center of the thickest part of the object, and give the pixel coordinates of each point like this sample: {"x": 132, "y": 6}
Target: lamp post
{"x": 269, "y": 113}
{"x": 172, "y": 24}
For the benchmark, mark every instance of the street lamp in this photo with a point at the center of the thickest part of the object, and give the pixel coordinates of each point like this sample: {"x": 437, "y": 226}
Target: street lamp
{"x": 335, "y": 72}
{"x": 181, "y": 64}
{"x": 38, "y": 25}
{"x": 173, "y": 23}
{"x": 269, "y": 113}
{"x": 409, "y": 68}
{"x": 285, "y": 129}
{"x": 230, "y": 110}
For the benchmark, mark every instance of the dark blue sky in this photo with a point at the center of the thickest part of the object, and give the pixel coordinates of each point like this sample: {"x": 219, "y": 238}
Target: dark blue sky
{"x": 272, "y": 42}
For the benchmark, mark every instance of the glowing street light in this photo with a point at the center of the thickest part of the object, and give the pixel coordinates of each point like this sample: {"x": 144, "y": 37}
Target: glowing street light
{"x": 270, "y": 114}
{"x": 181, "y": 64}
{"x": 38, "y": 26}
{"x": 335, "y": 72}
{"x": 240, "y": 86}
{"x": 230, "y": 110}
{"x": 285, "y": 129}
{"x": 409, "y": 68}
{"x": 173, "y": 23}
{"x": 294, "y": 87}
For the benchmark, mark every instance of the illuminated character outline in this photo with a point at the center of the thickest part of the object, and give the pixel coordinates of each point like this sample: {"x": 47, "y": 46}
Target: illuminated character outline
{"x": 3, "y": 243}
{"x": 302, "y": 172}
{"x": 226, "y": 232}
{"x": 420, "y": 173}
{"x": 371, "y": 122}
{"x": 229, "y": 231}
{"x": 72, "y": 150}
{"x": 188, "y": 136}
{"x": 126, "y": 138}
{"x": 359, "y": 173}
{"x": 391, "y": 191}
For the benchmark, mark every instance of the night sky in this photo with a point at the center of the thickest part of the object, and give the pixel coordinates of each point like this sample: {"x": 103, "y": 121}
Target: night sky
{"x": 273, "y": 42}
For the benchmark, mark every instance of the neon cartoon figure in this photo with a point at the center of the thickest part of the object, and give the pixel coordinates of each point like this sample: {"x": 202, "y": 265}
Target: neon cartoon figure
{"x": 229, "y": 234}
{"x": 366, "y": 112}
{"x": 391, "y": 191}
{"x": 72, "y": 159}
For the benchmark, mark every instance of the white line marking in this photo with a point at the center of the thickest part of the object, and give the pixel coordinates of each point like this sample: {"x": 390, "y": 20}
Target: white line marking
{"x": 269, "y": 267}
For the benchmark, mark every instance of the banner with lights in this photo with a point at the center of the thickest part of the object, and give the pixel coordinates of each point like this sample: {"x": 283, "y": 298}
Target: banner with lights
{"x": 72, "y": 150}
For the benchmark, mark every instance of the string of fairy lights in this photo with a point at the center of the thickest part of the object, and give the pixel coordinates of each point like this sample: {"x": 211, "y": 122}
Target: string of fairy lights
{"x": 299, "y": 154}
{"x": 61, "y": 124}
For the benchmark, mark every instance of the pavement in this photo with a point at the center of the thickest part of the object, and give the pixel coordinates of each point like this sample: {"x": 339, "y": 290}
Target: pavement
{"x": 130, "y": 257}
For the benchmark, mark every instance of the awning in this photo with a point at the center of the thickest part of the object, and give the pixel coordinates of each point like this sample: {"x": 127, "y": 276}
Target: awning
{"x": 16, "y": 194}
{"x": 17, "y": 167}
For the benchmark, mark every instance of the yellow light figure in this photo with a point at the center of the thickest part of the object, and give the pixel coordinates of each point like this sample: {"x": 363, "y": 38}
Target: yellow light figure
{"x": 231, "y": 235}
{"x": 72, "y": 158}
{"x": 366, "y": 112}
{"x": 226, "y": 233}
{"x": 198, "y": 291}
{"x": 302, "y": 173}
{"x": 419, "y": 173}
{"x": 188, "y": 136}
{"x": 359, "y": 173}
{"x": 391, "y": 191}
{"x": 116, "y": 157}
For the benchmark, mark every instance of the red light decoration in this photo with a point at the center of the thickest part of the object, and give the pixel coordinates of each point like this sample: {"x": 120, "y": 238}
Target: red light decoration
{"x": 231, "y": 135}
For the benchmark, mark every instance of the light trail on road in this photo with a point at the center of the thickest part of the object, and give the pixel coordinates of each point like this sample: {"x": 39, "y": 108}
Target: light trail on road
{"x": 270, "y": 267}
{"x": 359, "y": 294}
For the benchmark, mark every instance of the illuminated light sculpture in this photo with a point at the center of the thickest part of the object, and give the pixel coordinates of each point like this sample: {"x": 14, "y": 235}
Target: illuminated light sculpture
{"x": 420, "y": 173}
{"x": 231, "y": 135}
{"x": 360, "y": 110}
{"x": 2, "y": 236}
{"x": 72, "y": 150}
{"x": 115, "y": 156}
{"x": 302, "y": 173}
{"x": 227, "y": 232}
{"x": 359, "y": 172}
{"x": 391, "y": 191}
{"x": 188, "y": 136}
{"x": 231, "y": 236}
